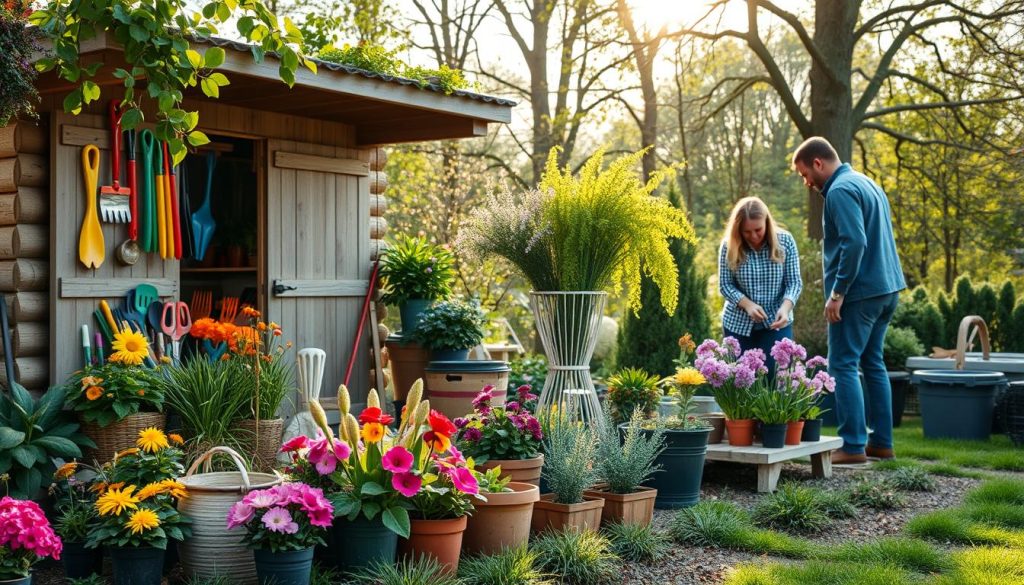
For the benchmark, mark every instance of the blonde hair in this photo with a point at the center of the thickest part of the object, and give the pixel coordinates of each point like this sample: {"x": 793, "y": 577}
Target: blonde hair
{"x": 735, "y": 246}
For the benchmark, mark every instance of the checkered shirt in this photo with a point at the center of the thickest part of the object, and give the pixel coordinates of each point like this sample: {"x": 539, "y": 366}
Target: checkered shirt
{"x": 765, "y": 282}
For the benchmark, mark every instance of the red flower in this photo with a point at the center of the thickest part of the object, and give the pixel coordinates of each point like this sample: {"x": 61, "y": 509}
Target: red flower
{"x": 440, "y": 424}
{"x": 373, "y": 414}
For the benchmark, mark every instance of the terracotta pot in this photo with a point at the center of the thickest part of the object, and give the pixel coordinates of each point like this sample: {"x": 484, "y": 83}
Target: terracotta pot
{"x": 717, "y": 422}
{"x": 503, "y": 521}
{"x": 548, "y": 515}
{"x": 632, "y": 508}
{"x": 741, "y": 432}
{"x": 260, "y": 444}
{"x": 408, "y": 363}
{"x": 793, "y": 432}
{"x": 441, "y": 539}
{"x": 521, "y": 470}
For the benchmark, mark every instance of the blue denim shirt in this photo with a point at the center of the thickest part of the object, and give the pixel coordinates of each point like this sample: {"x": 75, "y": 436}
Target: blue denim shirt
{"x": 859, "y": 250}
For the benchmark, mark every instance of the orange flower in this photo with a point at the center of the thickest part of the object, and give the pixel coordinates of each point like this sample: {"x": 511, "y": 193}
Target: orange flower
{"x": 251, "y": 312}
{"x": 277, "y": 333}
{"x": 176, "y": 438}
{"x": 141, "y": 392}
{"x": 94, "y": 392}
{"x": 372, "y": 432}
{"x": 91, "y": 381}
{"x": 261, "y": 326}
{"x": 65, "y": 471}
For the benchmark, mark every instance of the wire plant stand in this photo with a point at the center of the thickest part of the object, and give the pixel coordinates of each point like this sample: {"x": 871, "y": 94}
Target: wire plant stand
{"x": 568, "y": 323}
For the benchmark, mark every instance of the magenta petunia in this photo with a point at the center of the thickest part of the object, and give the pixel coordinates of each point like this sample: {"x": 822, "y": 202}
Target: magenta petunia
{"x": 464, "y": 481}
{"x": 397, "y": 460}
{"x": 406, "y": 484}
{"x": 280, "y": 520}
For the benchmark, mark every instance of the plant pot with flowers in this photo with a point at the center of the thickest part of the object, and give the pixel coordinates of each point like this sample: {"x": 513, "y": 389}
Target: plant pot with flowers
{"x": 574, "y": 236}
{"x": 136, "y": 514}
{"x": 119, "y": 398}
{"x": 413, "y": 274}
{"x": 630, "y": 389}
{"x": 802, "y": 383}
{"x": 25, "y": 539}
{"x": 450, "y": 329}
{"x": 508, "y": 436}
{"x": 570, "y": 448}
{"x": 282, "y": 525}
{"x": 733, "y": 375}
{"x": 680, "y": 462}
{"x": 75, "y": 510}
{"x": 627, "y": 458}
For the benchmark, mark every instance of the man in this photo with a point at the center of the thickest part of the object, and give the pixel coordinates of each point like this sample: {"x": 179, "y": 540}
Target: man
{"x": 863, "y": 278}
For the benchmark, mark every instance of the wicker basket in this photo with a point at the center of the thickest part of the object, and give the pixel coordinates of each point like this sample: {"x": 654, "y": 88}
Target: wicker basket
{"x": 260, "y": 445}
{"x": 120, "y": 435}
{"x": 213, "y": 550}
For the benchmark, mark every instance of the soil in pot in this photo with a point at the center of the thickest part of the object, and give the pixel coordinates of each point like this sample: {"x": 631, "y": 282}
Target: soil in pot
{"x": 632, "y": 508}
{"x": 503, "y": 521}
{"x": 521, "y": 470}
{"x": 441, "y": 539}
{"x": 549, "y": 515}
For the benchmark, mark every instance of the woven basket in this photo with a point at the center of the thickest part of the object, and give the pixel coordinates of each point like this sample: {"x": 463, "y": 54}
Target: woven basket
{"x": 213, "y": 550}
{"x": 120, "y": 435}
{"x": 260, "y": 445}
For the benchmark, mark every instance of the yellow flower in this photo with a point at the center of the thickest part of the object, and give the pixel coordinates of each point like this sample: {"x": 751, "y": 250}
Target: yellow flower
{"x": 129, "y": 451}
{"x": 98, "y": 487}
{"x": 175, "y": 488}
{"x": 176, "y": 438}
{"x": 94, "y": 392}
{"x": 152, "y": 440}
{"x": 115, "y": 501}
{"x": 165, "y": 359}
{"x": 688, "y": 377}
{"x": 131, "y": 348}
{"x": 372, "y": 432}
{"x": 143, "y": 520}
{"x": 149, "y": 491}
{"x": 66, "y": 470}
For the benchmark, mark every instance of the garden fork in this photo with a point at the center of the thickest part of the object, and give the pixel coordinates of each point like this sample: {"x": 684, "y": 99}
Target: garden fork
{"x": 202, "y": 304}
{"x": 228, "y": 309}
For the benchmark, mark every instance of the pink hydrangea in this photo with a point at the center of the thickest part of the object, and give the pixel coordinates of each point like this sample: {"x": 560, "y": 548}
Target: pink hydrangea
{"x": 24, "y": 526}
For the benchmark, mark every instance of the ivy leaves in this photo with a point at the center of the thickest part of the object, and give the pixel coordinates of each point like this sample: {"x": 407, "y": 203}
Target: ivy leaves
{"x": 157, "y": 37}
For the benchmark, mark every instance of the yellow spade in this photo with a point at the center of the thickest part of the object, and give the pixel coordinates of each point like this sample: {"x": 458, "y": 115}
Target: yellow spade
{"x": 90, "y": 240}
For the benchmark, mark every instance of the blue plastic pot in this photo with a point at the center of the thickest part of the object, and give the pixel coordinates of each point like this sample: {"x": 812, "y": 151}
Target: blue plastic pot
{"x": 142, "y": 565}
{"x": 284, "y": 568}
{"x": 958, "y": 404}
{"x": 682, "y": 469}
{"x": 18, "y": 581}
{"x": 410, "y": 312}
{"x": 80, "y": 562}
{"x": 357, "y": 543}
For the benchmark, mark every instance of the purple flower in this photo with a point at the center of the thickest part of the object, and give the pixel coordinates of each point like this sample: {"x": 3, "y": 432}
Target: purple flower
{"x": 817, "y": 362}
{"x": 753, "y": 359}
{"x": 429, "y": 270}
{"x": 533, "y": 425}
{"x": 708, "y": 348}
{"x": 786, "y": 350}
{"x": 483, "y": 397}
{"x": 512, "y": 406}
{"x": 279, "y": 520}
{"x": 460, "y": 422}
{"x": 472, "y": 434}
{"x": 733, "y": 345}
{"x": 744, "y": 377}
{"x": 715, "y": 371}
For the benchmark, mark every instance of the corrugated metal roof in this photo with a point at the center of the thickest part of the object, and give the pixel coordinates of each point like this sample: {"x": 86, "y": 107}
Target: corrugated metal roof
{"x": 246, "y": 48}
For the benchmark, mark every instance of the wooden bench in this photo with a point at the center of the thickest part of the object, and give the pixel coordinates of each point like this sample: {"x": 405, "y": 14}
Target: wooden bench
{"x": 769, "y": 461}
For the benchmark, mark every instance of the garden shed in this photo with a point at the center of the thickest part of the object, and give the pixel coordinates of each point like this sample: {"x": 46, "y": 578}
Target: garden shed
{"x": 298, "y": 185}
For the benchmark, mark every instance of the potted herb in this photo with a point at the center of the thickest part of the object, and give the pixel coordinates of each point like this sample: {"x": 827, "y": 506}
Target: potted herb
{"x": 414, "y": 273}
{"x": 502, "y": 520}
{"x": 681, "y": 462}
{"x": 136, "y": 512}
{"x": 75, "y": 509}
{"x": 283, "y": 524}
{"x": 632, "y": 388}
{"x": 900, "y": 344}
{"x": 570, "y": 448}
{"x": 625, "y": 460}
{"x": 18, "y": 554}
{"x": 732, "y": 374}
{"x": 32, "y": 434}
{"x": 450, "y": 329}
{"x": 507, "y": 436}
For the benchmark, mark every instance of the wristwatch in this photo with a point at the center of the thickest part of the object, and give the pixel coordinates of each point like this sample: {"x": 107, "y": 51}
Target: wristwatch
{"x": 836, "y": 296}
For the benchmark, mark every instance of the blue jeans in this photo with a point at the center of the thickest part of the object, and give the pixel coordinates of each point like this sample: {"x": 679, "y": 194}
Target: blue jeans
{"x": 763, "y": 339}
{"x": 854, "y": 341}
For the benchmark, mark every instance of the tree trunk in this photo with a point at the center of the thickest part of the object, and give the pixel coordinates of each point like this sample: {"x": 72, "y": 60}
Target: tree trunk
{"x": 537, "y": 62}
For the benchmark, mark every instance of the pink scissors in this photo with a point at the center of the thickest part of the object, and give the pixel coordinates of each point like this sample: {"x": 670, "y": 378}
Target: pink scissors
{"x": 176, "y": 322}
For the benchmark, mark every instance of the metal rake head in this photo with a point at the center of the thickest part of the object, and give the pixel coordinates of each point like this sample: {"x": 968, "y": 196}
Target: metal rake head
{"x": 114, "y": 208}
{"x": 202, "y": 304}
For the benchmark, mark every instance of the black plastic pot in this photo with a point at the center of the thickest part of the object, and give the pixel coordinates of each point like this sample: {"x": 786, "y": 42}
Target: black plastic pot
{"x": 80, "y": 562}
{"x": 358, "y": 543}
{"x": 773, "y": 436}
{"x": 137, "y": 565}
{"x": 958, "y": 404}
{"x": 900, "y": 382}
{"x": 284, "y": 568}
{"x": 682, "y": 469}
{"x": 812, "y": 431}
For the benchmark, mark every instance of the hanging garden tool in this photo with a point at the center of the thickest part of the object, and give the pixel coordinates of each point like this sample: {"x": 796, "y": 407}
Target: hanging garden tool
{"x": 147, "y": 199}
{"x": 128, "y": 251}
{"x": 203, "y": 225}
{"x": 172, "y": 200}
{"x": 161, "y": 207}
{"x": 114, "y": 204}
{"x": 86, "y": 347}
{"x": 176, "y": 322}
{"x": 90, "y": 240}
{"x": 188, "y": 250}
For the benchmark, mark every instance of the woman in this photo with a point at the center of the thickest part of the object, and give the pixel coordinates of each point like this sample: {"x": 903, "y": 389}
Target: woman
{"x": 759, "y": 276}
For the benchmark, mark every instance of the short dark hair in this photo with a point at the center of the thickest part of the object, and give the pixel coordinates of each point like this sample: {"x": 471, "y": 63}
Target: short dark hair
{"x": 812, "y": 148}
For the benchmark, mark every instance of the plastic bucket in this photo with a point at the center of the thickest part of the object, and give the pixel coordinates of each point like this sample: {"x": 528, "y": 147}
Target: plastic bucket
{"x": 354, "y": 544}
{"x": 451, "y": 386}
{"x": 957, "y": 404}
{"x": 284, "y": 568}
{"x": 682, "y": 469}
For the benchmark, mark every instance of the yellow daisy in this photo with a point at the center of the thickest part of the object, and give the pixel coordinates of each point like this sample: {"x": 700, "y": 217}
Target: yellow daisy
{"x": 115, "y": 501}
{"x": 143, "y": 520}
{"x": 66, "y": 470}
{"x": 175, "y": 488}
{"x": 152, "y": 440}
{"x": 149, "y": 491}
{"x": 130, "y": 347}
{"x": 688, "y": 377}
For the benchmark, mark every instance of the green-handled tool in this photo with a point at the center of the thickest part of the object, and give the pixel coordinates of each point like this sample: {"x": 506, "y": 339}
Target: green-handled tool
{"x": 147, "y": 186}
{"x": 86, "y": 346}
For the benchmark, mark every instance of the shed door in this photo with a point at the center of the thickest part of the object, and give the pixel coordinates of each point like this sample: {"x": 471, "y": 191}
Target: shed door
{"x": 317, "y": 252}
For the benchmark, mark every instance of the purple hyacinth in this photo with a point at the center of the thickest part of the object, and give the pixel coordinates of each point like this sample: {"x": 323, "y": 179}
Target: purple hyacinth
{"x": 786, "y": 350}
{"x": 744, "y": 376}
{"x": 715, "y": 371}
{"x": 707, "y": 349}
{"x": 816, "y": 362}
{"x": 732, "y": 345}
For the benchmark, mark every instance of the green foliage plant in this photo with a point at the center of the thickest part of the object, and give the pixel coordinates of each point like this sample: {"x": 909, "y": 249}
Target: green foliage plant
{"x": 587, "y": 231}
{"x": 900, "y": 343}
{"x": 413, "y": 268}
{"x": 107, "y": 393}
{"x": 32, "y": 434}
{"x": 569, "y": 451}
{"x": 18, "y": 95}
{"x": 999, "y": 490}
{"x": 632, "y": 388}
{"x": 530, "y": 369}
{"x": 450, "y": 325}
{"x": 792, "y": 508}
{"x": 639, "y": 543}
{"x": 501, "y": 432}
{"x": 919, "y": 314}
{"x": 158, "y": 41}
{"x": 712, "y": 523}
{"x": 876, "y": 495}
{"x": 842, "y": 573}
{"x": 209, "y": 398}
{"x": 909, "y": 553}
{"x": 378, "y": 59}
{"x": 626, "y": 461}
{"x": 577, "y": 557}
{"x": 911, "y": 479}
{"x": 418, "y": 570}
{"x": 513, "y": 566}
{"x": 74, "y": 503}
{"x": 779, "y": 406}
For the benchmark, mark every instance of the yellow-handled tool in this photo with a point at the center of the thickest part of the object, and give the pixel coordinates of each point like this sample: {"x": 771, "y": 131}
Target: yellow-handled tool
{"x": 109, "y": 317}
{"x": 161, "y": 207}
{"x": 91, "y": 250}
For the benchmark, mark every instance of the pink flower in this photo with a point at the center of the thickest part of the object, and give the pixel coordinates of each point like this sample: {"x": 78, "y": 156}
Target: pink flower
{"x": 397, "y": 460}
{"x": 239, "y": 514}
{"x": 321, "y": 456}
{"x": 300, "y": 442}
{"x": 260, "y": 499}
{"x": 464, "y": 481}
{"x": 406, "y": 484}
{"x": 279, "y": 520}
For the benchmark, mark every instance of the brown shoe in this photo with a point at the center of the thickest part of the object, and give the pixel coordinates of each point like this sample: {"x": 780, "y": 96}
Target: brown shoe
{"x": 880, "y": 453}
{"x": 840, "y": 457}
